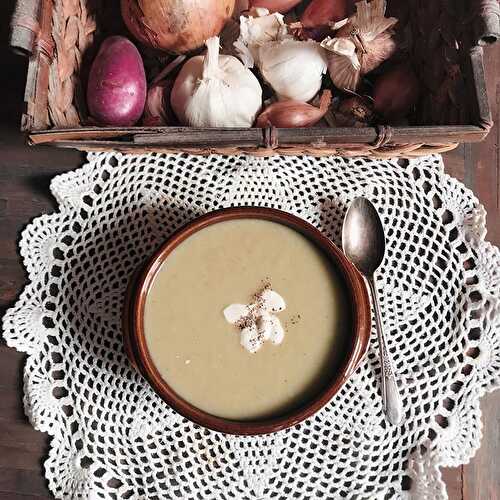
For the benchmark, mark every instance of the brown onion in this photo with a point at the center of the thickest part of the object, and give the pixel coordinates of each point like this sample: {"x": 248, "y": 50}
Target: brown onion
{"x": 396, "y": 92}
{"x": 294, "y": 114}
{"x": 322, "y": 12}
{"x": 177, "y": 26}
{"x": 280, "y": 6}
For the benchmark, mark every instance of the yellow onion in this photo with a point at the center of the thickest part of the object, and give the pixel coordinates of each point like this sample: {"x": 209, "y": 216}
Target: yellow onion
{"x": 294, "y": 114}
{"x": 280, "y": 6}
{"x": 396, "y": 92}
{"x": 322, "y": 12}
{"x": 177, "y": 26}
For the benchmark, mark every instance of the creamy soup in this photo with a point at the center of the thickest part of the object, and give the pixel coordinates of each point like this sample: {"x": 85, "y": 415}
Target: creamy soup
{"x": 200, "y": 354}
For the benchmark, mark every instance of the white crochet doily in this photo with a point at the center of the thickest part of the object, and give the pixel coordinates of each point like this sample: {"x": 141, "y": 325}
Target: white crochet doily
{"x": 113, "y": 438}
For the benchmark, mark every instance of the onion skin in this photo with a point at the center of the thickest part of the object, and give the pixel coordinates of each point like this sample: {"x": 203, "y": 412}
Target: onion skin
{"x": 177, "y": 26}
{"x": 355, "y": 111}
{"x": 321, "y": 12}
{"x": 116, "y": 90}
{"x": 281, "y": 6}
{"x": 157, "y": 112}
{"x": 294, "y": 114}
{"x": 396, "y": 92}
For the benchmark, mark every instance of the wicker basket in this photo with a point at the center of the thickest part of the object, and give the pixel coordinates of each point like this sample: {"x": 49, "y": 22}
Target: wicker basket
{"x": 444, "y": 37}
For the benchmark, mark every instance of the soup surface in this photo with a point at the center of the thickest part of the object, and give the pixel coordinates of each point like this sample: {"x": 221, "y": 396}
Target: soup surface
{"x": 199, "y": 354}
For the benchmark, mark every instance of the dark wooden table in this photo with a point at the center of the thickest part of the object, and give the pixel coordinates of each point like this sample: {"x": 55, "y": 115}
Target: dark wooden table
{"x": 25, "y": 174}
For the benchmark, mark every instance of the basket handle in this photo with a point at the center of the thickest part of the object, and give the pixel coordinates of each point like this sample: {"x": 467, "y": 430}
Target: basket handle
{"x": 487, "y": 22}
{"x": 25, "y": 26}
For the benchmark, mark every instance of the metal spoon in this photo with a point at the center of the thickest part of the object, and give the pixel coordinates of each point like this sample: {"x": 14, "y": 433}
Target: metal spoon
{"x": 363, "y": 242}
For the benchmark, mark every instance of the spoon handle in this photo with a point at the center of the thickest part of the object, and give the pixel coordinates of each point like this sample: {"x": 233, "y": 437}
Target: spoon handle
{"x": 390, "y": 393}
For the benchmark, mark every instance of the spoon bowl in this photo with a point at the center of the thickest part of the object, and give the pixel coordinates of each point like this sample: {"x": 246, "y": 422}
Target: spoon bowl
{"x": 363, "y": 239}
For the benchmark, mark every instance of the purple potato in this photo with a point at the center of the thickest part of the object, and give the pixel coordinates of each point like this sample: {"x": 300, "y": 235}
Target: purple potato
{"x": 116, "y": 92}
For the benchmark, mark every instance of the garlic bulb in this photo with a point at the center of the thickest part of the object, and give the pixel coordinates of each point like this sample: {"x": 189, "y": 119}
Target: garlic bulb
{"x": 293, "y": 68}
{"x": 256, "y": 31}
{"x": 361, "y": 45}
{"x": 216, "y": 91}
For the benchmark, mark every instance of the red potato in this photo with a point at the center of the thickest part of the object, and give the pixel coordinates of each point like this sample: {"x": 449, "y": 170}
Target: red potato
{"x": 116, "y": 91}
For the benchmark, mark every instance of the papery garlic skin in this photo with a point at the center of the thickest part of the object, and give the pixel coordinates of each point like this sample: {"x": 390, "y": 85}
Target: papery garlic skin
{"x": 216, "y": 91}
{"x": 293, "y": 68}
{"x": 342, "y": 47}
{"x": 257, "y": 31}
{"x": 361, "y": 45}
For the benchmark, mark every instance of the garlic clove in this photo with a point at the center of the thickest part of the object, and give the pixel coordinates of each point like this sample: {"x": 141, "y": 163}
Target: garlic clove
{"x": 272, "y": 301}
{"x": 294, "y": 114}
{"x": 264, "y": 326}
{"x": 269, "y": 328}
{"x": 235, "y": 313}
{"x": 250, "y": 339}
{"x": 277, "y": 334}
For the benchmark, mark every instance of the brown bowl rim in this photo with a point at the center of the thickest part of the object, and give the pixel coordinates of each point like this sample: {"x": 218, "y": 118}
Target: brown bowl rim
{"x": 137, "y": 351}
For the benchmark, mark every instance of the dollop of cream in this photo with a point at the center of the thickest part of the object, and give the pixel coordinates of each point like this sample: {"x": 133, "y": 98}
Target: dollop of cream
{"x": 257, "y": 321}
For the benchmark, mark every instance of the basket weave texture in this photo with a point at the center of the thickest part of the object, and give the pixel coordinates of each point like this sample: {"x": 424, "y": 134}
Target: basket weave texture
{"x": 439, "y": 37}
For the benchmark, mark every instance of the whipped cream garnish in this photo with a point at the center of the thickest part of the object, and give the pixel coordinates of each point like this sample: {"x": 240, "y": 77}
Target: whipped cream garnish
{"x": 257, "y": 321}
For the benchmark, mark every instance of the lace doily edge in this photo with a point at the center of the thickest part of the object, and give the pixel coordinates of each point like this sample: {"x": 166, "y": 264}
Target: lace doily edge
{"x": 58, "y": 185}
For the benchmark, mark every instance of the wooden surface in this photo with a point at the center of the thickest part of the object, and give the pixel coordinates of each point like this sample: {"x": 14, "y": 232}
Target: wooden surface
{"x": 24, "y": 180}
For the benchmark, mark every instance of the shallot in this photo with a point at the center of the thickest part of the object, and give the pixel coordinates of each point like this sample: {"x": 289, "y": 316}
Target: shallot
{"x": 396, "y": 92}
{"x": 281, "y": 6}
{"x": 292, "y": 114}
{"x": 157, "y": 112}
{"x": 323, "y": 12}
